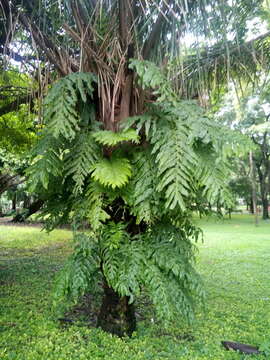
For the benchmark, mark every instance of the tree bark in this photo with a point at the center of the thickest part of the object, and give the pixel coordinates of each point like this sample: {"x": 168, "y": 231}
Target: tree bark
{"x": 116, "y": 315}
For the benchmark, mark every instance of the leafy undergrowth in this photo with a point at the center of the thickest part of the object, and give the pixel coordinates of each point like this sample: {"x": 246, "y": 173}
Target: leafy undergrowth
{"x": 234, "y": 262}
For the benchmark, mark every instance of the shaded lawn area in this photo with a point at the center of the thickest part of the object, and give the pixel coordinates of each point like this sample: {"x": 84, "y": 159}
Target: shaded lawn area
{"x": 234, "y": 262}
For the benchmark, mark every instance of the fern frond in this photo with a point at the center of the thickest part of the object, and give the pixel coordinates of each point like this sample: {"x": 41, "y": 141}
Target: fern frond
{"x": 122, "y": 260}
{"x": 91, "y": 206}
{"x": 111, "y": 138}
{"x": 143, "y": 122}
{"x": 95, "y": 206}
{"x": 60, "y": 114}
{"x": 46, "y": 164}
{"x": 176, "y": 160}
{"x": 81, "y": 272}
{"x": 145, "y": 201}
{"x": 114, "y": 172}
{"x": 212, "y": 175}
{"x": 80, "y": 159}
{"x": 150, "y": 76}
{"x": 170, "y": 255}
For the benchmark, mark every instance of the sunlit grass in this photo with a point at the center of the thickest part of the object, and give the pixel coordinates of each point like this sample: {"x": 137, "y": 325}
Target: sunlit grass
{"x": 234, "y": 262}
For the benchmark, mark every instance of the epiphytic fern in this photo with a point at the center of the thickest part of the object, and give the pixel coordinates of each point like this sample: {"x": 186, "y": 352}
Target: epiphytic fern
{"x": 114, "y": 172}
{"x": 60, "y": 106}
{"x": 47, "y": 162}
{"x": 133, "y": 188}
{"x": 80, "y": 274}
{"x": 111, "y": 138}
{"x": 161, "y": 260}
{"x": 145, "y": 199}
{"x": 83, "y": 154}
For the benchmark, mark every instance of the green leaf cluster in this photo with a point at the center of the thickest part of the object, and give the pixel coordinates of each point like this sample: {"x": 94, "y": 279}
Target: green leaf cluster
{"x": 129, "y": 194}
{"x": 160, "y": 261}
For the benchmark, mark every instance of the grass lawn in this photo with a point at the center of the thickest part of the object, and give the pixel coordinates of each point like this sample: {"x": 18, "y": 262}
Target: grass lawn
{"x": 234, "y": 261}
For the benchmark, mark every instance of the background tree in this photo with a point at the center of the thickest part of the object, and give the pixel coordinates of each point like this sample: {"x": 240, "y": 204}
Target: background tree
{"x": 240, "y": 183}
{"x": 18, "y": 128}
{"x": 247, "y": 110}
{"x": 255, "y": 118}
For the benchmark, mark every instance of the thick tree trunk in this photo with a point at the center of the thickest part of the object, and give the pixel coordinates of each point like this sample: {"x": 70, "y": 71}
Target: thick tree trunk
{"x": 116, "y": 315}
{"x": 33, "y": 208}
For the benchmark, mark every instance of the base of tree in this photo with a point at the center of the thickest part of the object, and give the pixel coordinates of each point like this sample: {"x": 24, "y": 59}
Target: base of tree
{"x": 116, "y": 315}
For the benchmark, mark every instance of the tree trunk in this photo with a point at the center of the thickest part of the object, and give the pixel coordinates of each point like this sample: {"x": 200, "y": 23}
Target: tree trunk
{"x": 254, "y": 192}
{"x": 265, "y": 208}
{"x": 250, "y": 206}
{"x": 219, "y": 206}
{"x": 14, "y": 202}
{"x": 33, "y": 208}
{"x": 27, "y": 202}
{"x": 264, "y": 191}
{"x": 116, "y": 315}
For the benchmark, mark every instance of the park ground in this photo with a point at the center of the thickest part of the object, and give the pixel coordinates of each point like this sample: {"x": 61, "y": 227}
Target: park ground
{"x": 234, "y": 261}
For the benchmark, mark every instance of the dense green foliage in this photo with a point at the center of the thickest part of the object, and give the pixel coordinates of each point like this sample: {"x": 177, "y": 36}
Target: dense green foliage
{"x": 134, "y": 187}
{"x": 17, "y": 128}
{"x": 233, "y": 262}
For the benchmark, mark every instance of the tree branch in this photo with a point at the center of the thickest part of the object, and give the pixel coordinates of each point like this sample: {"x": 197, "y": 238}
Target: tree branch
{"x": 57, "y": 56}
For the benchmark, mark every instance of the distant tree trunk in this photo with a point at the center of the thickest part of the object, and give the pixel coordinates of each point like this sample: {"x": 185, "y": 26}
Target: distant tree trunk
{"x": 219, "y": 206}
{"x": 254, "y": 192}
{"x": 33, "y": 208}
{"x": 14, "y": 202}
{"x": 27, "y": 202}
{"x": 265, "y": 204}
{"x": 250, "y": 205}
{"x": 116, "y": 315}
{"x": 264, "y": 191}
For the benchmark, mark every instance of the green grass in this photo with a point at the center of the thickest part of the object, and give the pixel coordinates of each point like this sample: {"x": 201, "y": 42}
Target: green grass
{"x": 234, "y": 261}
